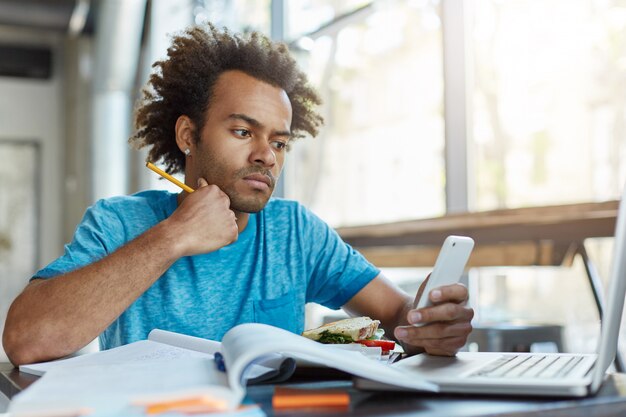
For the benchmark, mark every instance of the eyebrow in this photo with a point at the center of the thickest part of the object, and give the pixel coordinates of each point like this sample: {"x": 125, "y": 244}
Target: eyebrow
{"x": 255, "y": 123}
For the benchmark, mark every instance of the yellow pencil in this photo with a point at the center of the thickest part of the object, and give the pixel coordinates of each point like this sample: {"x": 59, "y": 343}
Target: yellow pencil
{"x": 169, "y": 177}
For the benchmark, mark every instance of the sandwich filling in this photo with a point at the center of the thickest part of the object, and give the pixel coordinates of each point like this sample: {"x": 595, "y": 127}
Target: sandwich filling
{"x": 346, "y": 331}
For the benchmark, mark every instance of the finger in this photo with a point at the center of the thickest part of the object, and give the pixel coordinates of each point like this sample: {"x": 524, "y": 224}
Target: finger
{"x": 417, "y": 335}
{"x": 449, "y": 343}
{"x": 202, "y": 182}
{"x": 456, "y": 293}
{"x": 443, "y": 331}
{"x": 440, "y": 352}
{"x": 439, "y": 345}
{"x": 442, "y": 312}
{"x": 445, "y": 347}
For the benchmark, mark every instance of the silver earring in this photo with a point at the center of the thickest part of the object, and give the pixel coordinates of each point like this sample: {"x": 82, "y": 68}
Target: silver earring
{"x": 187, "y": 152}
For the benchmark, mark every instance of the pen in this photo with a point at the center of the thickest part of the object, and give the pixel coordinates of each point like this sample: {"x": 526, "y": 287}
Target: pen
{"x": 394, "y": 357}
{"x": 168, "y": 177}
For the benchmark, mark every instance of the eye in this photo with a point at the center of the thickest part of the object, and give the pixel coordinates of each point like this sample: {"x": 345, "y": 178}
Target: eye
{"x": 244, "y": 133}
{"x": 281, "y": 146}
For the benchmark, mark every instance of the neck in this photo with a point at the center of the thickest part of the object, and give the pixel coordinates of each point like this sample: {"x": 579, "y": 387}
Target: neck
{"x": 242, "y": 220}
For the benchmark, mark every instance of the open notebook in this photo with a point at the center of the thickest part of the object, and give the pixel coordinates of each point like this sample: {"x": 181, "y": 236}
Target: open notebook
{"x": 175, "y": 367}
{"x": 554, "y": 374}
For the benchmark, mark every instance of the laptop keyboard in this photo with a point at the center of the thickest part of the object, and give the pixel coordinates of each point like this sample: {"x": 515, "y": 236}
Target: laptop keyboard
{"x": 530, "y": 366}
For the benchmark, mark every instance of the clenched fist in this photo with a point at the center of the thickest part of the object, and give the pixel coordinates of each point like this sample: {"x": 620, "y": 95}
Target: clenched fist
{"x": 204, "y": 221}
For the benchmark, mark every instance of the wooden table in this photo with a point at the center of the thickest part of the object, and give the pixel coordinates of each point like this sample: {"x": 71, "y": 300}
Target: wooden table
{"x": 514, "y": 237}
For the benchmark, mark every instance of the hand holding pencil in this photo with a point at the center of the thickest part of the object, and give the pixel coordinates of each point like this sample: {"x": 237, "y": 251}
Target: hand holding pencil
{"x": 203, "y": 221}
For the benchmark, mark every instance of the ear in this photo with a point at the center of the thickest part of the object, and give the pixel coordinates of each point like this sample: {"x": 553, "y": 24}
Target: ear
{"x": 185, "y": 130}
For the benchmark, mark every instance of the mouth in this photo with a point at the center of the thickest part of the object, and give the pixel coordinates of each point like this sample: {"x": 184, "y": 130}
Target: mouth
{"x": 259, "y": 181}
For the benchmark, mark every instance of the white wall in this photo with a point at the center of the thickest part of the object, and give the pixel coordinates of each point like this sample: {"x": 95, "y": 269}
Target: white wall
{"x": 33, "y": 110}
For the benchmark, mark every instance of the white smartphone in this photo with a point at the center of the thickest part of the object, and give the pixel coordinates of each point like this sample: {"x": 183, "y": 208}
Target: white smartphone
{"x": 449, "y": 266}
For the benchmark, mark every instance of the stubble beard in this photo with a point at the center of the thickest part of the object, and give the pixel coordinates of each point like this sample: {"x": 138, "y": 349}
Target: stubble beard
{"x": 216, "y": 172}
{"x": 247, "y": 204}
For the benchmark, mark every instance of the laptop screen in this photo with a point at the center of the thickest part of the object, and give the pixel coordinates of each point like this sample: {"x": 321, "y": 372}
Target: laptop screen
{"x": 616, "y": 292}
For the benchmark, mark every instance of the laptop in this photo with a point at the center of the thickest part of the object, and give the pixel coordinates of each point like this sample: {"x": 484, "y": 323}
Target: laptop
{"x": 546, "y": 374}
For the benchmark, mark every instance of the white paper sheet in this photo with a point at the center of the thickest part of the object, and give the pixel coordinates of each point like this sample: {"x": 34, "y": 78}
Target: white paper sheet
{"x": 110, "y": 389}
{"x": 145, "y": 350}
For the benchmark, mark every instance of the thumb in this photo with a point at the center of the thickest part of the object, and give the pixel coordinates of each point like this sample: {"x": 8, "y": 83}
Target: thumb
{"x": 202, "y": 182}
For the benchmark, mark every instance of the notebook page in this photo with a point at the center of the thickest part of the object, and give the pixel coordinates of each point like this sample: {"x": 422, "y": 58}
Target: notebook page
{"x": 113, "y": 389}
{"x": 144, "y": 350}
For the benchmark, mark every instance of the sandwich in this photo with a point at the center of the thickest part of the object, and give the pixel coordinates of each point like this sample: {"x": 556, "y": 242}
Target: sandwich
{"x": 361, "y": 330}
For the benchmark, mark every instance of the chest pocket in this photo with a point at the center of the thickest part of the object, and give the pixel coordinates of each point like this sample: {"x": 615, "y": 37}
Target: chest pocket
{"x": 285, "y": 312}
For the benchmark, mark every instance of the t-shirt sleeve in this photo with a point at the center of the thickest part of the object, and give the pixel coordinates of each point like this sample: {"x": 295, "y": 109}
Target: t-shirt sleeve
{"x": 99, "y": 234}
{"x": 338, "y": 271}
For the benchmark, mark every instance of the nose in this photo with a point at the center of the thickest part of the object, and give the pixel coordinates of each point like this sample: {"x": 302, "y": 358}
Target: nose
{"x": 262, "y": 154}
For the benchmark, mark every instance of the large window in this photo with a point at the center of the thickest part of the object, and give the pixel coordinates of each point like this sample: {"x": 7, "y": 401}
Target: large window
{"x": 548, "y": 101}
{"x": 379, "y": 157}
{"x": 545, "y": 105}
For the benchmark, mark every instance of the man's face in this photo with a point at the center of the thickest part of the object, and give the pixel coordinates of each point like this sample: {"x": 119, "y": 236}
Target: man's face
{"x": 243, "y": 143}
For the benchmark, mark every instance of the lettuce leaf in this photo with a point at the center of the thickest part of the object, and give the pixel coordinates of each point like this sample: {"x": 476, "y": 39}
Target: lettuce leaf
{"x": 333, "y": 338}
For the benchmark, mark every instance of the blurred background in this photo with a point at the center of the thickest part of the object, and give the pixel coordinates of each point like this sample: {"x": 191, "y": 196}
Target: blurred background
{"x": 432, "y": 107}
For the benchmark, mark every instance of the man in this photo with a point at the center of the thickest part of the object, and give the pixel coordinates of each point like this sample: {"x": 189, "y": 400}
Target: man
{"x": 224, "y": 109}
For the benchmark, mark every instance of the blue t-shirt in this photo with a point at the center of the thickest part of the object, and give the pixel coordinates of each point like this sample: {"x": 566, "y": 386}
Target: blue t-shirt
{"x": 284, "y": 258}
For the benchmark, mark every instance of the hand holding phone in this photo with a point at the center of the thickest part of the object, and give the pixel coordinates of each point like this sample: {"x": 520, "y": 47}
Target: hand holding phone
{"x": 448, "y": 268}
